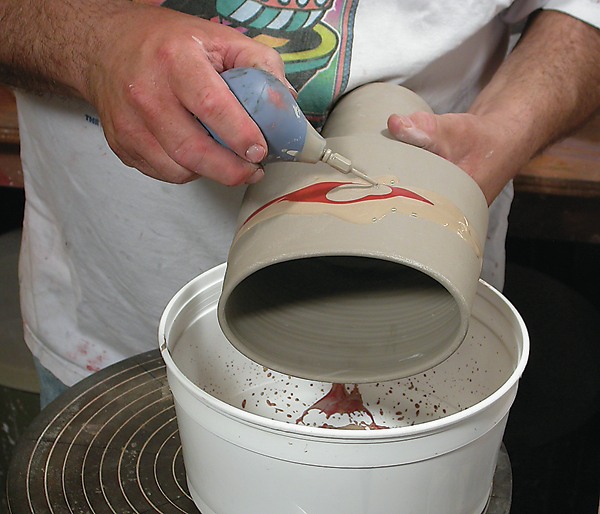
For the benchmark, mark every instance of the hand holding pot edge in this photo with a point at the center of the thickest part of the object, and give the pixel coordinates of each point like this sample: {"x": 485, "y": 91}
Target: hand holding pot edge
{"x": 475, "y": 144}
{"x": 544, "y": 89}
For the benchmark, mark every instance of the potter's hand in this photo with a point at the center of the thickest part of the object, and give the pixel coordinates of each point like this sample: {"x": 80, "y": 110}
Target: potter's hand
{"x": 475, "y": 144}
{"x": 546, "y": 87}
{"x": 148, "y": 71}
{"x": 155, "y": 70}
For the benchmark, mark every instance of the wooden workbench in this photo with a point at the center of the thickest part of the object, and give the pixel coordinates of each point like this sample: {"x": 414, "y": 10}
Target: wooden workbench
{"x": 10, "y": 164}
{"x": 568, "y": 168}
{"x": 557, "y": 194}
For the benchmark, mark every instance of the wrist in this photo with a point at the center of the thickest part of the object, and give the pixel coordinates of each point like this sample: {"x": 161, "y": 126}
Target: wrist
{"x": 103, "y": 28}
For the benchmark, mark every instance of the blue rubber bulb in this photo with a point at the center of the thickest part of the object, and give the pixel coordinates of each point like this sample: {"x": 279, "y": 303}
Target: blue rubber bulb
{"x": 289, "y": 135}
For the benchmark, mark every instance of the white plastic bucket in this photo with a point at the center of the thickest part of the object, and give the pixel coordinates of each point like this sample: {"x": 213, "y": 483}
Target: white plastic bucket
{"x": 245, "y": 453}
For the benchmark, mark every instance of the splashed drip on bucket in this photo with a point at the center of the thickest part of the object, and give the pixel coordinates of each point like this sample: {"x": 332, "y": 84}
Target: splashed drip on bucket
{"x": 340, "y": 402}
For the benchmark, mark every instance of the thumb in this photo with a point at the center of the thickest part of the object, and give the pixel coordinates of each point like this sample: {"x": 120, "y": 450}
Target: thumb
{"x": 480, "y": 148}
{"x": 419, "y": 129}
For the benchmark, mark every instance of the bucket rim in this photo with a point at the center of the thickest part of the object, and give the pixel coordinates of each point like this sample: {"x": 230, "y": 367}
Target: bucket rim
{"x": 214, "y": 277}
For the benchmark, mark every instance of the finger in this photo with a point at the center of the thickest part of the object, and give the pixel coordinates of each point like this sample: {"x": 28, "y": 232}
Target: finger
{"x": 163, "y": 172}
{"x": 172, "y": 141}
{"x": 191, "y": 160}
{"x": 136, "y": 147}
{"x": 246, "y": 52}
{"x": 404, "y": 129}
{"x": 273, "y": 66}
{"x": 205, "y": 94}
{"x": 443, "y": 135}
{"x": 459, "y": 138}
{"x": 276, "y": 68}
{"x": 188, "y": 145}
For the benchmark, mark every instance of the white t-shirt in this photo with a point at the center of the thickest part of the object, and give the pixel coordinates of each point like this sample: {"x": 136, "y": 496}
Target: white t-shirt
{"x": 105, "y": 247}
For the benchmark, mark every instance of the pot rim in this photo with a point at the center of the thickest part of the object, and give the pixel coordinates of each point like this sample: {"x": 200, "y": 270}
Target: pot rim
{"x": 461, "y": 300}
{"x": 215, "y": 276}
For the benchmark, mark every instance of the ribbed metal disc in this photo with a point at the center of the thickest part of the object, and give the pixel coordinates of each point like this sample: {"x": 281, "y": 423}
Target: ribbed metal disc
{"x": 109, "y": 445}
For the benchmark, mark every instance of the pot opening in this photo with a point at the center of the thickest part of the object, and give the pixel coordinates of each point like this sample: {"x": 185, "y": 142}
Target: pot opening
{"x": 343, "y": 319}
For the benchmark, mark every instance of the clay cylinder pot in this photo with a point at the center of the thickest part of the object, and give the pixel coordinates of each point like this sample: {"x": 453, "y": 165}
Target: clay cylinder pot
{"x": 331, "y": 279}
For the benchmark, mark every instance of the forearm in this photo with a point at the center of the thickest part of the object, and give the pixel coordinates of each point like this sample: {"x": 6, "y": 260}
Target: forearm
{"x": 547, "y": 86}
{"x": 45, "y": 45}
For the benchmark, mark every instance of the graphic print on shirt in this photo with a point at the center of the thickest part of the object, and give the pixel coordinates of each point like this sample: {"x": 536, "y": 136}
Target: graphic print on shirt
{"x": 313, "y": 37}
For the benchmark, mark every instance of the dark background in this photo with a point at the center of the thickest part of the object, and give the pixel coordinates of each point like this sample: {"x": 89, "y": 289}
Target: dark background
{"x": 554, "y": 426}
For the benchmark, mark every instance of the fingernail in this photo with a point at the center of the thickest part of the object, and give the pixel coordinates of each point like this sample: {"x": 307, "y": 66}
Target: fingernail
{"x": 406, "y": 121}
{"x": 257, "y": 176}
{"x": 256, "y": 153}
{"x": 413, "y": 135}
{"x": 291, "y": 88}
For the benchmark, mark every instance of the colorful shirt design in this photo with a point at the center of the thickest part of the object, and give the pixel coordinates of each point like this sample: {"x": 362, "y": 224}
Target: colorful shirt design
{"x": 314, "y": 38}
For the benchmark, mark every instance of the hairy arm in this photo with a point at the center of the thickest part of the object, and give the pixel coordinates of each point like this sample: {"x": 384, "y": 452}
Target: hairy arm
{"x": 548, "y": 85}
{"x": 146, "y": 70}
{"x": 43, "y": 45}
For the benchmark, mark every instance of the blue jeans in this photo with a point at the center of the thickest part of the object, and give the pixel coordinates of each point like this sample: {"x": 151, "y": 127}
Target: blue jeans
{"x": 50, "y": 386}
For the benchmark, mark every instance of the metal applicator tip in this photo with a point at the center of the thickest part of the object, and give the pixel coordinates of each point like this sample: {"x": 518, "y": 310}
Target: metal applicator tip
{"x": 344, "y": 165}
